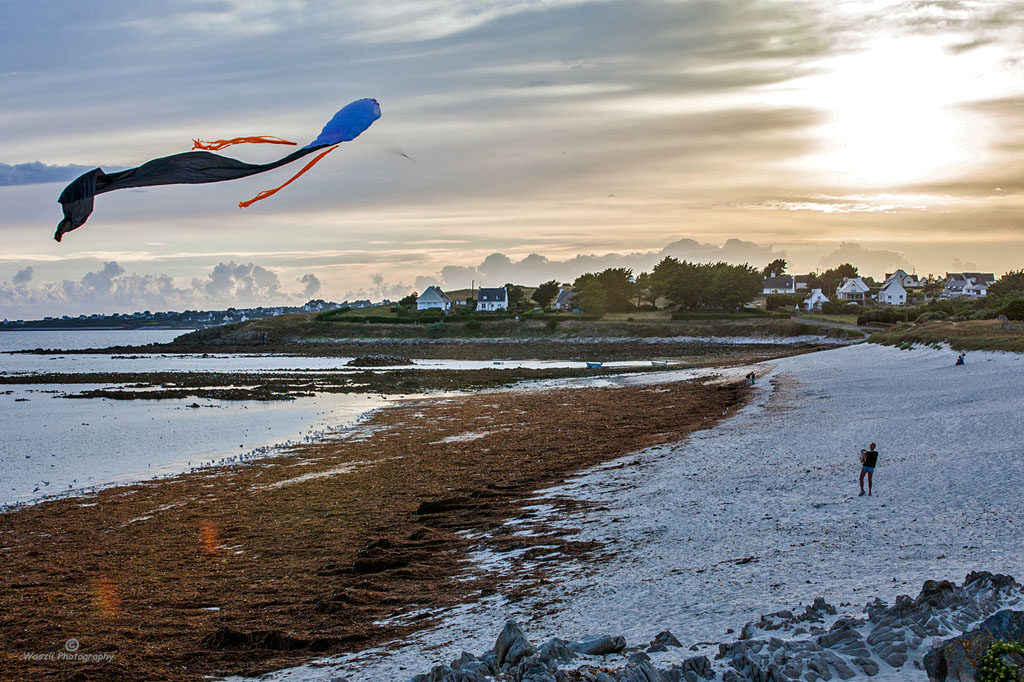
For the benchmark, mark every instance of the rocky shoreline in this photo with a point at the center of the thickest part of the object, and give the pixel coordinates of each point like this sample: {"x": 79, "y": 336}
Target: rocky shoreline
{"x": 944, "y": 631}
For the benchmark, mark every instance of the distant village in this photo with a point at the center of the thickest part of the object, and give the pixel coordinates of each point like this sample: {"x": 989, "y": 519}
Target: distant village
{"x": 188, "y": 319}
{"x": 896, "y": 289}
{"x": 839, "y": 288}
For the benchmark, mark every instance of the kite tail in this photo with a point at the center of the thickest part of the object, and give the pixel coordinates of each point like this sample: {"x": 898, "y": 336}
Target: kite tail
{"x": 270, "y": 192}
{"x": 217, "y": 145}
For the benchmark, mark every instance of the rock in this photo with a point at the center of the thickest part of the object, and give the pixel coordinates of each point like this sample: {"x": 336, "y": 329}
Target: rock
{"x": 638, "y": 657}
{"x": 699, "y": 665}
{"x": 378, "y": 360}
{"x": 479, "y": 669}
{"x": 662, "y": 641}
{"x": 533, "y": 669}
{"x": 555, "y": 650}
{"x": 463, "y": 658}
{"x": 844, "y": 671}
{"x": 490, "y": 660}
{"x": 592, "y": 675}
{"x": 599, "y": 645}
{"x": 512, "y": 646}
{"x": 439, "y": 673}
{"x": 958, "y": 658}
{"x": 869, "y": 667}
{"x": 642, "y": 672}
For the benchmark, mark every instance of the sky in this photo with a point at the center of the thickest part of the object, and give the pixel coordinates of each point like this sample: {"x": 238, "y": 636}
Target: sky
{"x": 520, "y": 140}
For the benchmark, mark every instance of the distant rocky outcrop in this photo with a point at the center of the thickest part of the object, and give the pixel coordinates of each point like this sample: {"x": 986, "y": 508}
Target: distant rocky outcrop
{"x": 818, "y": 643}
{"x": 378, "y": 360}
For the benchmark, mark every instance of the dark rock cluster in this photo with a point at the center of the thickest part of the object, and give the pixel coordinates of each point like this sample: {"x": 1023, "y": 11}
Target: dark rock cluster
{"x": 378, "y": 360}
{"x": 944, "y": 631}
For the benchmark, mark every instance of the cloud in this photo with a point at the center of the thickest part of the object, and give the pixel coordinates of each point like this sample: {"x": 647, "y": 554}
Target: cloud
{"x": 112, "y": 288}
{"x": 311, "y": 285}
{"x": 245, "y": 282}
{"x": 36, "y": 173}
{"x": 867, "y": 260}
{"x": 498, "y": 268}
{"x": 22, "y": 277}
{"x": 380, "y": 290}
{"x": 963, "y": 266}
{"x": 424, "y": 281}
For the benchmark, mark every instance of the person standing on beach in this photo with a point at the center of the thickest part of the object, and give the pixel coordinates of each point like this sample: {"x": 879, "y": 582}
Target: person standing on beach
{"x": 868, "y": 460}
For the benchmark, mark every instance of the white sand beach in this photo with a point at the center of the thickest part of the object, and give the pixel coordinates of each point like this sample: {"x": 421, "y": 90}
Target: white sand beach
{"x": 762, "y": 513}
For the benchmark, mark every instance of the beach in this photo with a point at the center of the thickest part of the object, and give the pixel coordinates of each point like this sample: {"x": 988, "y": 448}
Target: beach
{"x": 761, "y": 512}
{"x": 672, "y": 500}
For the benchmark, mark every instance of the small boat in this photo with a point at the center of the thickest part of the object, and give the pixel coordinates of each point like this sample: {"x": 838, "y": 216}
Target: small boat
{"x": 659, "y": 363}
{"x": 594, "y": 365}
{"x": 498, "y": 362}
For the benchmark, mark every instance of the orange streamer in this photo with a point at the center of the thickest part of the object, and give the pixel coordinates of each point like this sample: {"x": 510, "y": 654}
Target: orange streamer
{"x": 217, "y": 145}
{"x": 270, "y": 192}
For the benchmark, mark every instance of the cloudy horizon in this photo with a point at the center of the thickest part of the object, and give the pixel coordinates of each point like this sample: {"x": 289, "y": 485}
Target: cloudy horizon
{"x": 538, "y": 135}
{"x": 112, "y": 288}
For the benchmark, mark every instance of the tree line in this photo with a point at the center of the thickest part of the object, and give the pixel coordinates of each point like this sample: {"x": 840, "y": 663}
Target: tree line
{"x": 685, "y": 285}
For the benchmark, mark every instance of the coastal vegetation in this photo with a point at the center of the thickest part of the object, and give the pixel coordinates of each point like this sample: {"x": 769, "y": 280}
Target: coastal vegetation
{"x": 959, "y": 335}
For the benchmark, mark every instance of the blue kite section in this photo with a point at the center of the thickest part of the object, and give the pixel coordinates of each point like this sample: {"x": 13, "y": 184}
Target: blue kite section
{"x": 348, "y": 123}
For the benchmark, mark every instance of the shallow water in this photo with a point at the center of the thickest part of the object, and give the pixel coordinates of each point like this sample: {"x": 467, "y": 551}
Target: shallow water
{"x": 80, "y": 364}
{"x": 86, "y": 338}
{"x": 54, "y": 445}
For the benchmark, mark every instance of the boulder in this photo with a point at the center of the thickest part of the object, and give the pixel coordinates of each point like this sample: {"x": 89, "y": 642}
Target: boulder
{"x": 532, "y": 669}
{"x": 512, "y": 646}
{"x": 599, "y": 645}
{"x": 555, "y": 650}
{"x": 662, "y": 641}
{"x": 958, "y": 658}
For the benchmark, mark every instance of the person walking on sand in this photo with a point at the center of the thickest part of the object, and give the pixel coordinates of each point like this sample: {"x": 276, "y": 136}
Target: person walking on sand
{"x": 868, "y": 460}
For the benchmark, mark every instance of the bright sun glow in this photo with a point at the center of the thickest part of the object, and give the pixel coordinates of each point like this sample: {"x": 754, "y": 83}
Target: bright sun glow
{"x": 892, "y": 112}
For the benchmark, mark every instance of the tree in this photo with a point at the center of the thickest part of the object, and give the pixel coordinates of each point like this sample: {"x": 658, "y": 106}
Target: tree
{"x": 515, "y": 296}
{"x": 645, "y": 290}
{"x": 692, "y": 286}
{"x": 590, "y": 296}
{"x": 409, "y": 300}
{"x": 617, "y": 285}
{"x": 778, "y": 266}
{"x": 1012, "y": 283}
{"x": 546, "y": 293}
{"x": 831, "y": 278}
{"x": 933, "y": 284}
{"x": 684, "y": 284}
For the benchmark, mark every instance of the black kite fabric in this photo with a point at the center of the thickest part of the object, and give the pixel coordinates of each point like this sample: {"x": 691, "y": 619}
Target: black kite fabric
{"x": 197, "y": 167}
{"x": 189, "y": 168}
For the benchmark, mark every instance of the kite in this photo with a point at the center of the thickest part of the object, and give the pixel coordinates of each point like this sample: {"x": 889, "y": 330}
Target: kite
{"x": 196, "y": 167}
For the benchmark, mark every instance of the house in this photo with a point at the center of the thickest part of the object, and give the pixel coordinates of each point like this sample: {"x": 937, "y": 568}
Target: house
{"x": 781, "y": 284}
{"x": 433, "y": 297}
{"x": 908, "y": 281}
{"x": 564, "y": 299}
{"x": 893, "y": 292}
{"x": 492, "y": 299}
{"x": 801, "y": 281}
{"x": 852, "y": 289}
{"x": 814, "y": 301}
{"x": 974, "y": 284}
